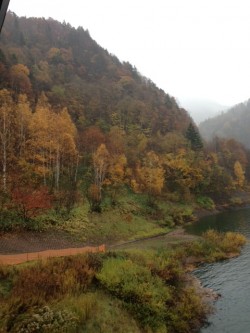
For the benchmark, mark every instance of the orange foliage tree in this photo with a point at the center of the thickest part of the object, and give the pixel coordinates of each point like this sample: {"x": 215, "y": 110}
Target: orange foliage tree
{"x": 20, "y": 78}
{"x": 30, "y": 202}
{"x": 149, "y": 176}
{"x": 52, "y": 144}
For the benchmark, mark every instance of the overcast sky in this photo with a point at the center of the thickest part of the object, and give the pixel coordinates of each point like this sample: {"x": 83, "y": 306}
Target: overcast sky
{"x": 189, "y": 48}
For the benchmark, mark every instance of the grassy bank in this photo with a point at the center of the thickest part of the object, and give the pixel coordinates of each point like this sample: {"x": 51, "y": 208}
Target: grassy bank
{"x": 133, "y": 217}
{"x": 121, "y": 291}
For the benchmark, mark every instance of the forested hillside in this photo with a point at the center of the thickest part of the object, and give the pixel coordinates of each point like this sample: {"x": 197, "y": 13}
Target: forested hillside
{"x": 75, "y": 72}
{"x": 234, "y": 124}
{"x": 78, "y": 125}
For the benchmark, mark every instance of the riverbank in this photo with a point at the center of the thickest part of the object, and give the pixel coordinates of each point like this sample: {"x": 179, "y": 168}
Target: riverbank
{"x": 128, "y": 222}
{"x": 179, "y": 250}
{"x": 239, "y": 199}
{"x": 207, "y": 295}
{"x": 230, "y": 278}
{"x": 144, "y": 288}
{"x": 150, "y": 288}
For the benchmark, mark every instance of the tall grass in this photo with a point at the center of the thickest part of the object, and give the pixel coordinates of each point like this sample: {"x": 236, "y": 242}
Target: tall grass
{"x": 216, "y": 246}
{"x": 130, "y": 291}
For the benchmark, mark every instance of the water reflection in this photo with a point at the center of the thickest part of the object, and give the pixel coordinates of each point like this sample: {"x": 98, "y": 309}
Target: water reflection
{"x": 230, "y": 278}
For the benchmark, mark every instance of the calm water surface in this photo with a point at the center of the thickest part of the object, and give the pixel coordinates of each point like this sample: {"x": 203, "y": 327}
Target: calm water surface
{"x": 230, "y": 278}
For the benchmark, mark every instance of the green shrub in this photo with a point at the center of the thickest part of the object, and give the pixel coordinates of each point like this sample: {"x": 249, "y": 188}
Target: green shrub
{"x": 215, "y": 245}
{"x": 6, "y": 276}
{"x": 135, "y": 280}
{"x": 10, "y": 221}
{"x": 100, "y": 312}
{"x": 162, "y": 263}
{"x": 187, "y": 311}
{"x": 227, "y": 242}
{"x": 232, "y": 242}
{"x": 181, "y": 214}
{"x": 168, "y": 221}
{"x": 144, "y": 295}
{"x": 205, "y": 202}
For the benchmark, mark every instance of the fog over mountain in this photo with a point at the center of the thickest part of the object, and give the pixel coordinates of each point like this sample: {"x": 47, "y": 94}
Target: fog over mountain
{"x": 234, "y": 123}
{"x": 201, "y": 109}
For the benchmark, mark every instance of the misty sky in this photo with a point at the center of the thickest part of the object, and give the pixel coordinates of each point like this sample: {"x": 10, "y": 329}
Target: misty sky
{"x": 189, "y": 48}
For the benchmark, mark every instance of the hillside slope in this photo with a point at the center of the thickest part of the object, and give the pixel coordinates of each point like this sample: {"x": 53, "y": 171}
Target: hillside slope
{"x": 74, "y": 71}
{"x": 78, "y": 128}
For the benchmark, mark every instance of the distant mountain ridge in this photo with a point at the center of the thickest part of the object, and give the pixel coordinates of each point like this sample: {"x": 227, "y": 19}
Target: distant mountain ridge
{"x": 235, "y": 123}
{"x": 202, "y": 109}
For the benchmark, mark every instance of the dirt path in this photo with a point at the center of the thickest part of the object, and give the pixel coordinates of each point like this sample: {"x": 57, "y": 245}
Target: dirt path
{"x": 23, "y": 242}
{"x": 174, "y": 237}
{"x": 27, "y": 246}
{"x": 16, "y": 248}
{"x": 14, "y": 259}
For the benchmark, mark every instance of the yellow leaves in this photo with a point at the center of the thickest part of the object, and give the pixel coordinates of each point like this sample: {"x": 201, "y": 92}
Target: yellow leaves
{"x": 5, "y": 96}
{"x": 214, "y": 158}
{"x": 52, "y": 137}
{"x": 64, "y": 120}
{"x": 53, "y": 52}
{"x": 101, "y": 157}
{"x": 149, "y": 176}
{"x": 65, "y": 55}
{"x": 51, "y": 130}
{"x": 239, "y": 174}
{"x": 20, "y": 78}
{"x": 68, "y": 144}
{"x": 7, "y": 115}
{"x": 19, "y": 69}
{"x": 126, "y": 82}
{"x": 184, "y": 170}
{"x": 117, "y": 169}
{"x": 116, "y": 140}
{"x": 100, "y": 162}
{"x": 135, "y": 186}
{"x": 41, "y": 72}
{"x": 39, "y": 158}
{"x": 23, "y": 116}
{"x": 41, "y": 170}
{"x": 109, "y": 170}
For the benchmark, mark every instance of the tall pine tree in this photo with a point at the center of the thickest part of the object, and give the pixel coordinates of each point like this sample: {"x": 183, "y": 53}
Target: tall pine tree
{"x": 193, "y": 135}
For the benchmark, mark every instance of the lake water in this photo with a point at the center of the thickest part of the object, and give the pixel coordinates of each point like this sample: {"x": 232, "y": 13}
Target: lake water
{"x": 230, "y": 278}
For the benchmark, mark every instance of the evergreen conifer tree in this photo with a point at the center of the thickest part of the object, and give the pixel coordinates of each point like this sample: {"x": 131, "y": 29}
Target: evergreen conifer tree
{"x": 193, "y": 135}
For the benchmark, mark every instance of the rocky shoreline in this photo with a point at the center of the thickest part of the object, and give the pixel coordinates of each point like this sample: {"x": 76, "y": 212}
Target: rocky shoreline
{"x": 208, "y": 295}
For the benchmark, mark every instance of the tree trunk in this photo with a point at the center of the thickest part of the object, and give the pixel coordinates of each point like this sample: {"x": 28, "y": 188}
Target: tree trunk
{"x": 57, "y": 168}
{"x": 4, "y": 143}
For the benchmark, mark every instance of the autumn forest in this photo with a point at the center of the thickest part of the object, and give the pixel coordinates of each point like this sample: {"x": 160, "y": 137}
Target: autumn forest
{"x": 76, "y": 122}
{"x": 92, "y": 152}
